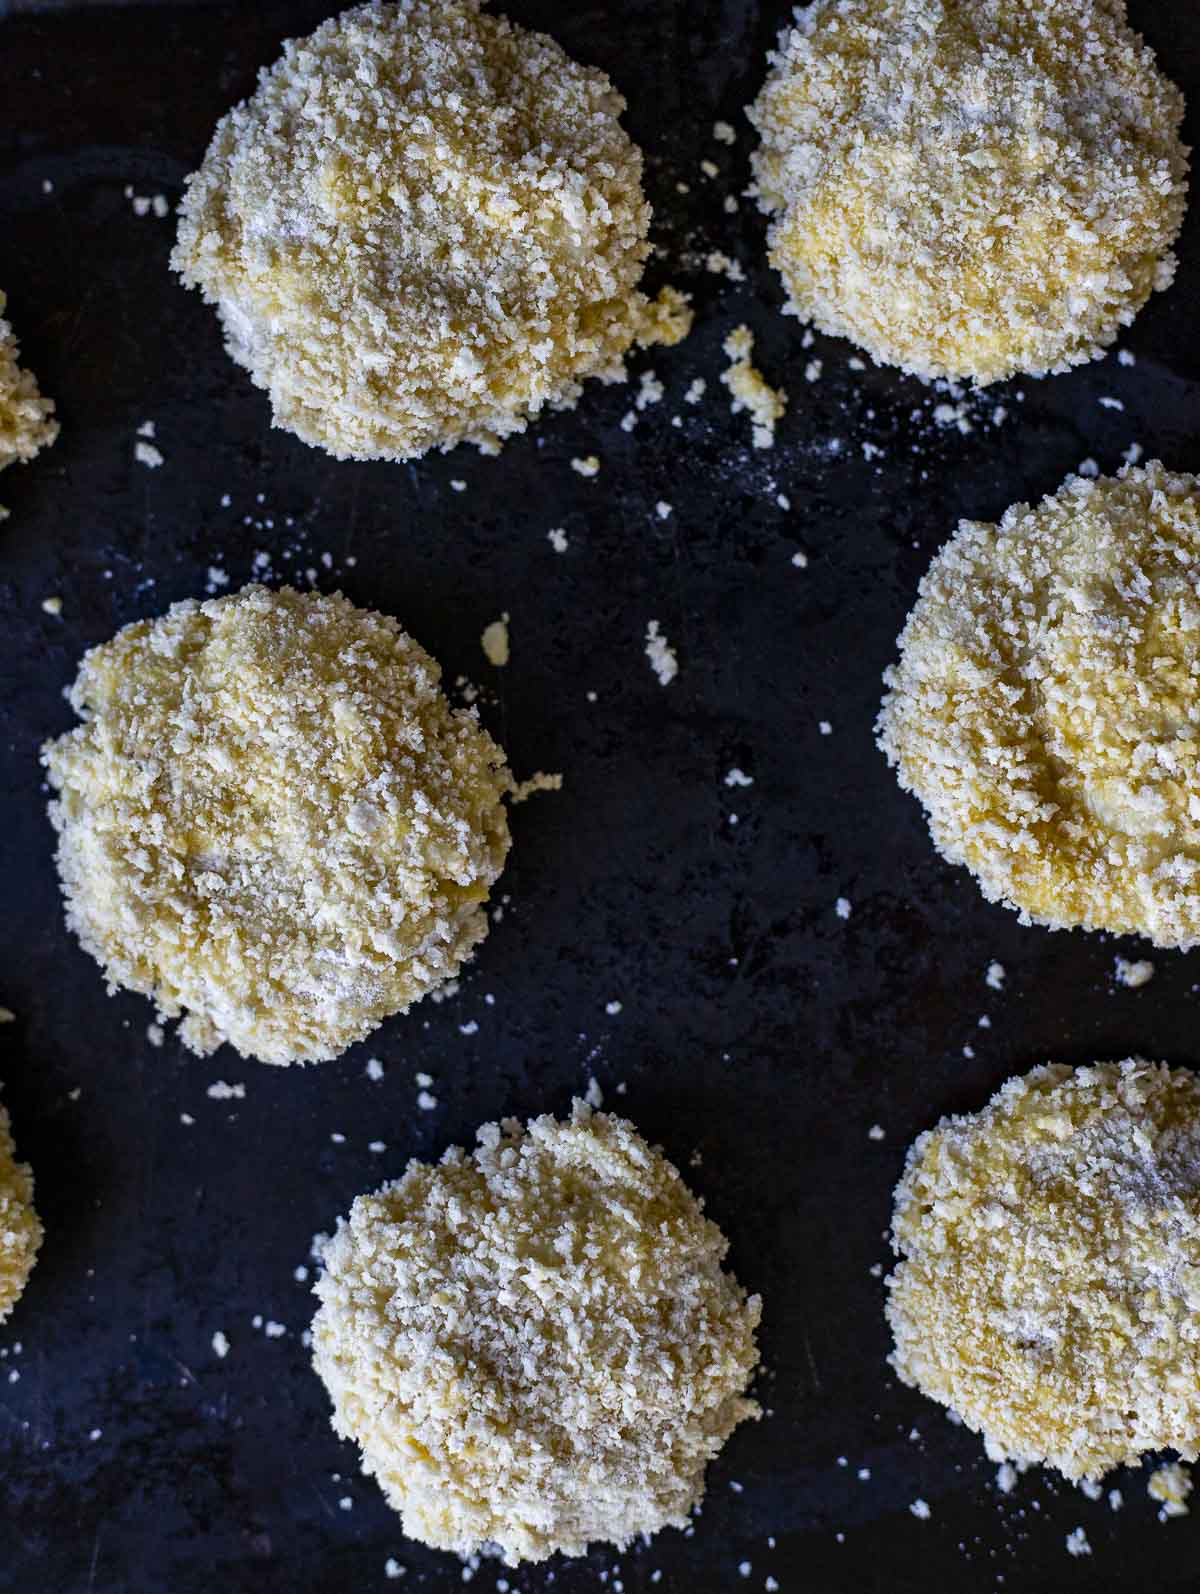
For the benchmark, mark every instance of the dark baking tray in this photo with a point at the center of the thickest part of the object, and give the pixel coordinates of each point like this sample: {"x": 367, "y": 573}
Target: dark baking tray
{"x": 760, "y": 1035}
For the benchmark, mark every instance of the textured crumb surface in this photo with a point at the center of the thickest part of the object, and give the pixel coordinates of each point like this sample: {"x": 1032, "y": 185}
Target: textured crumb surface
{"x": 20, "y": 1230}
{"x": 1044, "y": 707}
{"x": 535, "y": 1344}
{"x": 425, "y": 226}
{"x": 968, "y": 189}
{"x": 1048, "y": 1290}
{"x": 271, "y": 819}
{"x": 27, "y": 423}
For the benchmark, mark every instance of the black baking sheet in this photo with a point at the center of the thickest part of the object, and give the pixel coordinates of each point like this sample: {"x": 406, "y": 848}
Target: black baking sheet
{"x": 759, "y": 1036}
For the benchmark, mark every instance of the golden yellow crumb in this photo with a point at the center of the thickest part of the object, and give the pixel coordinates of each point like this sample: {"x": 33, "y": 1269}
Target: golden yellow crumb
{"x": 749, "y": 390}
{"x": 540, "y": 781}
{"x": 494, "y": 642}
{"x": 1171, "y": 1486}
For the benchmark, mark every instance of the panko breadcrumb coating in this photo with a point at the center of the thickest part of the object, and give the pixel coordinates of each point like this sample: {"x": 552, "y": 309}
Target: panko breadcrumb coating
{"x": 26, "y": 418}
{"x": 535, "y": 1345}
{"x": 423, "y": 227}
{"x": 969, "y": 188}
{"x": 272, "y": 819}
{"x": 1049, "y": 1284}
{"x": 20, "y": 1230}
{"x": 1045, "y": 706}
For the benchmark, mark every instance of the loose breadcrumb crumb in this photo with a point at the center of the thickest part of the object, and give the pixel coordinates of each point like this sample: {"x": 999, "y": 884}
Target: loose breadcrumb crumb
{"x": 970, "y": 190}
{"x": 1134, "y": 975}
{"x": 1048, "y": 1290}
{"x": 661, "y": 655}
{"x": 535, "y": 1344}
{"x": 1170, "y": 1485}
{"x": 272, "y": 819}
{"x": 20, "y": 1228}
{"x": 540, "y": 781}
{"x": 1044, "y": 706}
{"x": 425, "y": 226}
{"x": 221, "y": 1090}
{"x": 748, "y": 389}
{"x": 723, "y": 265}
{"x": 589, "y": 466}
{"x": 27, "y": 423}
{"x": 494, "y": 642}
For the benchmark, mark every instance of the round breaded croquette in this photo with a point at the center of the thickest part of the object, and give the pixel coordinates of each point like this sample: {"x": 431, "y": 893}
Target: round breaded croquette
{"x": 966, "y": 188}
{"x": 1045, "y": 710}
{"x": 20, "y": 1230}
{"x": 27, "y": 423}
{"x": 425, "y": 226}
{"x": 272, "y": 820}
{"x": 1048, "y": 1288}
{"x": 535, "y": 1345}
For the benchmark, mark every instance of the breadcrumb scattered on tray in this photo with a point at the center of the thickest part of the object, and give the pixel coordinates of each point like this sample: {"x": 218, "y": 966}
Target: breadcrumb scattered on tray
{"x": 494, "y": 642}
{"x": 1133, "y": 975}
{"x": 661, "y": 654}
{"x": 764, "y": 404}
{"x": 1170, "y": 1485}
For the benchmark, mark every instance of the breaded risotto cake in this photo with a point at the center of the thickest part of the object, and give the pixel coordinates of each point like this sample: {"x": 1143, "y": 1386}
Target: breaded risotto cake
{"x": 969, "y": 188}
{"x": 1045, "y": 705}
{"x": 27, "y": 423}
{"x": 424, "y": 226}
{"x": 20, "y": 1230}
{"x": 1048, "y": 1289}
{"x": 271, "y": 819}
{"x": 535, "y": 1345}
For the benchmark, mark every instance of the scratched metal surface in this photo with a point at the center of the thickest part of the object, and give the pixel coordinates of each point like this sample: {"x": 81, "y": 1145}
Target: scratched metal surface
{"x": 757, "y": 1028}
